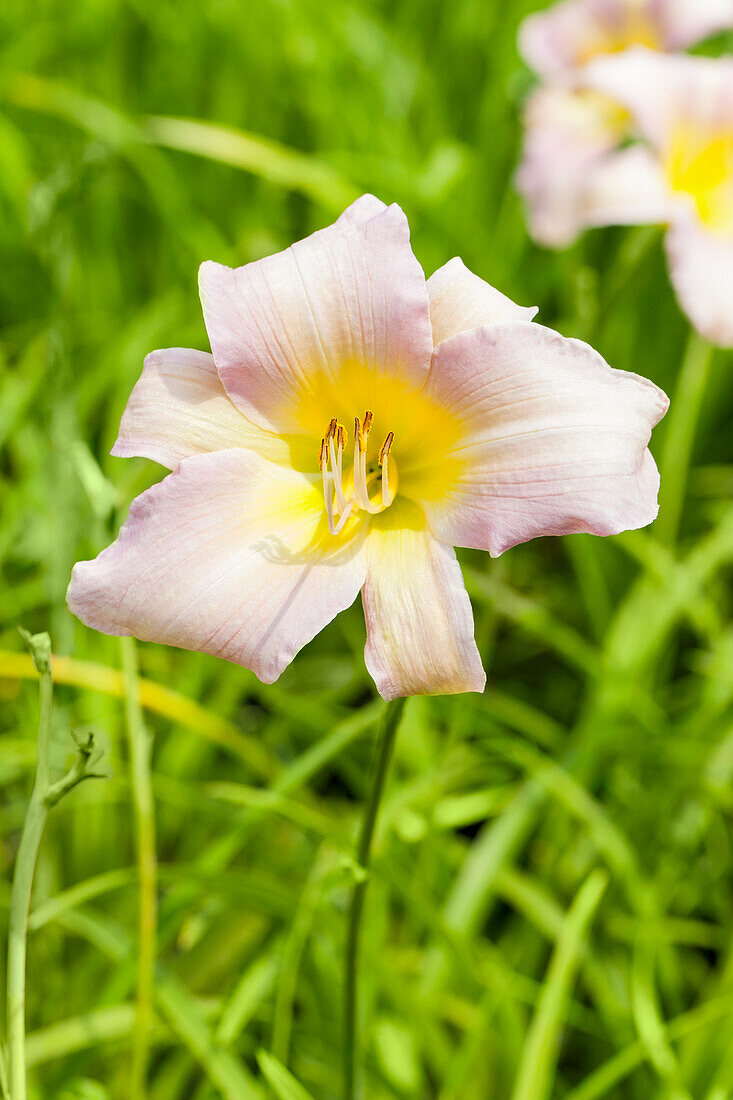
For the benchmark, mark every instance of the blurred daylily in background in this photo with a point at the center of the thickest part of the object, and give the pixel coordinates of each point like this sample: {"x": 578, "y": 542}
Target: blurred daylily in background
{"x": 556, "y": 42}
{"x": 680, "y": 174}
{"x": 576, "y": 171}
{"x": 352, "y": 426}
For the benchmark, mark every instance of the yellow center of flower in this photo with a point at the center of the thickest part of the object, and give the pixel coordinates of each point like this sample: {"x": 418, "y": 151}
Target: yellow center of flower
{"x": 406, "y": 444}
{"x": 699, "y": 163}
{"x": 370, "y": 486}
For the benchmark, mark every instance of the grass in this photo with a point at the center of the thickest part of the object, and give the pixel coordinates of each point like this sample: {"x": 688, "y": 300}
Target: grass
{"x": 550, "y": 910}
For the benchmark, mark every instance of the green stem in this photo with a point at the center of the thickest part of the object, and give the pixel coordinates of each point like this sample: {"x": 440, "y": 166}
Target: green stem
{"x": 682, "y": 422}
{"x": 383, "y": 755}
{"x": 142, "y": 792}
{"x": 25, "y": 865}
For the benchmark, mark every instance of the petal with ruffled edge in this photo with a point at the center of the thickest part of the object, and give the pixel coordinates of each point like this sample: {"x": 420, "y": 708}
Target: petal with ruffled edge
{"x": 179, "y": 408}
{"x": 460, "y": 300}
{"x": 227, "y": 555}
{"x": 283, "y": 329}
{"x": 701, "y": 270}
{"x": 554, "y": 440}
{"x": 418, "y": 614}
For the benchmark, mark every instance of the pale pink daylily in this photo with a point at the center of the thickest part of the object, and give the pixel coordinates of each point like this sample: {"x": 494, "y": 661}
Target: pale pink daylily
{"x": 681, "y": 173}
{"x": 352, "y": 426}
{"x": 566, "y": 35}
{"x": 570, "y": 127}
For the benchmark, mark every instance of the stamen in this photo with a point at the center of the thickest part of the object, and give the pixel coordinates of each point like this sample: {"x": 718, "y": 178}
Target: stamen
{"x": 323, "y": 456}
{"x": 368, "y": 417}
{"x": 386, "y": 448}
{"x": 336, "y": 469}
{"x": 384, "y": 463}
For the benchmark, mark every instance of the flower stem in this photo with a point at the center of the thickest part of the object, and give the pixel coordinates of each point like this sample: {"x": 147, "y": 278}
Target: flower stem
{"x": 142, "y": 792}
{"x": 25, "y": 865}
{"x": 683, "y": 416}
{"x": 383, "y": 755}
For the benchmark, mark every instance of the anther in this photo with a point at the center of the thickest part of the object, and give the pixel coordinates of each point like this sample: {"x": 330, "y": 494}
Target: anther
{"x": 323, "y": 456}
{"x": 368, "y": 417}
{"x": 386, "y": 448}
{"x": 332, "y": 429}
{"x": 359, "y": 436}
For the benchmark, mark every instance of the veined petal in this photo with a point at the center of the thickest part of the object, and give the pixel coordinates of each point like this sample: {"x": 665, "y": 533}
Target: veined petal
{"x": 701, "y": 270}
{"x": 227, "y": 556}
{"x": 460, "y": 300}
{"x": 283, "y": 329}
{"x": 179, "y": 408}
{"x": 554, "y": 439}
{"x": 418, "y": 614}
{"x": 627, "y": 188}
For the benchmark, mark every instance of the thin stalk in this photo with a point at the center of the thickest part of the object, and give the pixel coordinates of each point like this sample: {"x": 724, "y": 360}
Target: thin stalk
{"x": 142, "y": 793}
{"x": 383, "y": 755}
{"x": 25, "y": 865}
{"x": 682, "y": 419}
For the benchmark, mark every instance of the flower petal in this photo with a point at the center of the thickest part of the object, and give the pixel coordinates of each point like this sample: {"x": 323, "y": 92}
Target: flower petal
{"x": 568, "y": 34}
{"x": 282, "y": 329}
{"x": 567, "y": 134}
{"x": 418, "y": 614}
{"x": 554, "y": 439}
{"x": 663, "y": 91}
{"x": 701, "y": 269}
{"x": 627, "y": 188}
{"x": 226, "y": 555}
{"x": 686, "y": 23}
{"x": 179, "y": 408}
{"x": 460, "y": 300}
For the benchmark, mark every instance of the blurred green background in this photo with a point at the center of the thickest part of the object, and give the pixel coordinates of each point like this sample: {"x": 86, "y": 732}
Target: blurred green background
{"x": 551, "y": 911}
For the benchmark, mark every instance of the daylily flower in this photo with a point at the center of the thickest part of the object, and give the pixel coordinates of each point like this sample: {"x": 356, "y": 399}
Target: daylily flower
{"x": 569, "y": 126}
{"x": 681, "y": 174}
{"x": 568, "y": 34}
{"x": 352, "y": 426}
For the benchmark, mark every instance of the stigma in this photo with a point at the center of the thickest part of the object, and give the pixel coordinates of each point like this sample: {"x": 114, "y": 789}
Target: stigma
{"x": 368, "y": 486}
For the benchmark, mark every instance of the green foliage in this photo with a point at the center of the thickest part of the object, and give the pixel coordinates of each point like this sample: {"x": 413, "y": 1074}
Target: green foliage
{"x": 137, "y": 139}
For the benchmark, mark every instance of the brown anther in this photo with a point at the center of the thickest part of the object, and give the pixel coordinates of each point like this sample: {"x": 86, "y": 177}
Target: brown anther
{"x": 359, "y": 437}
{"x": 341, "y": 438}
{"x": 368, "y": 417}
{"x": 386, "y": 448}
{"x": 323, "y": 455}
{"x": 332, "y": 429}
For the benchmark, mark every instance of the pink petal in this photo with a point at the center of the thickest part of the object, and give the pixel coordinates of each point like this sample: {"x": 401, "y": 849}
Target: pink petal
{"x": 282, "y": 329}
{"x": 418, "y": 614}
{"x": 180, "y": 408}
{"x": 568, "y": 33}
{"x": 701, "y": 269}
{"x": 567, "y": 135}
{"x": 627, "y": 188}
{"x": 663, "y": 91}
{"x": 226, "y": 555}
{"x": 689, "y": 21}
{"x": 555, "y": 440}
{"x": 460, "y": 300}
